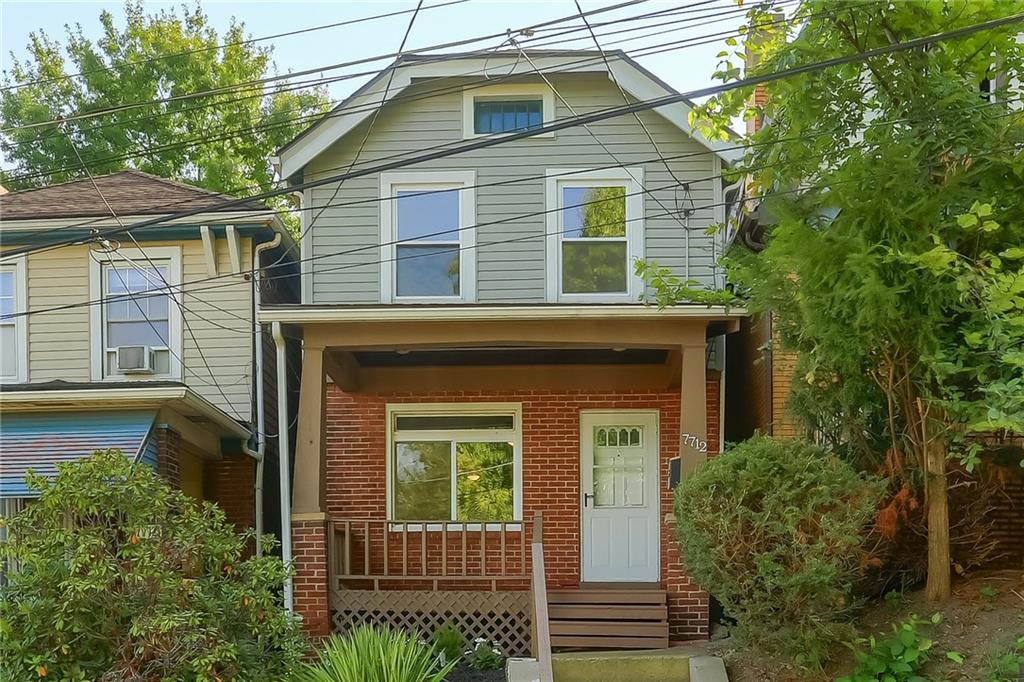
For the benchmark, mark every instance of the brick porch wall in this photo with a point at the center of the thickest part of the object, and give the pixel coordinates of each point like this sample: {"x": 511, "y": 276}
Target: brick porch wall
{"x": 168, "y": 449}
{"x": 356, "y": 481}
{"x": 230, "y": 482}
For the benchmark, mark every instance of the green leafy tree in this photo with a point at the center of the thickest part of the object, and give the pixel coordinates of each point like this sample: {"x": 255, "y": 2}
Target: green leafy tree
{"x": 220, "y": 142}
{"x": 122, "y": 577}
{"x": 894, "y": 265}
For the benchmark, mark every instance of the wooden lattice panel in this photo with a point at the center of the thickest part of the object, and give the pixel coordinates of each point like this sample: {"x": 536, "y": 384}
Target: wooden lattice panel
{"x": 504, "y": 618}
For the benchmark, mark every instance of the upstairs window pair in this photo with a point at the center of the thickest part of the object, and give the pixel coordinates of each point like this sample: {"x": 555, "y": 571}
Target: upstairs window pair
{"x": 593, "y": 233}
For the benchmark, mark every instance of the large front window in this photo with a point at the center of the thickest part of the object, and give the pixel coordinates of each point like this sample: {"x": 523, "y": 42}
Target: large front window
{"x": 427, "y": 240}
{"x": 595, "y": 233}
{"x": 454, "y": 464}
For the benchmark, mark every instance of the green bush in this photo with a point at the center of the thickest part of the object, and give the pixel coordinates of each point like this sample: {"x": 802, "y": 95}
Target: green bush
{"x": 774, "y": 529}
{"x": 893, "y": 657}
{"x": 370, "y": 654}
{"x": 123, "y": 577}
{"x": 485, "y": 656}
{"x": 449, "y": 642}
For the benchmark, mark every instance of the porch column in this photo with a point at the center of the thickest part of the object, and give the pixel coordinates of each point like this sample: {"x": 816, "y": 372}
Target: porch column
{"x": 309, "y": 500}
{"x": 693, "y": 422}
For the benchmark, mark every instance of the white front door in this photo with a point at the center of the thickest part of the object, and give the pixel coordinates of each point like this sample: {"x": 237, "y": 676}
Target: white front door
{"x": 620, "y": 505}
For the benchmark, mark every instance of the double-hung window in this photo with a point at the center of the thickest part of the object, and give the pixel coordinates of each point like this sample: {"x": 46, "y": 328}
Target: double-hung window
{"x": 595, "y": 234}
{"x": 139, "y": 323}
{"x": 455, "y": 463}
{"x": 13, "y": 334}
{"x": 427, "y": 237}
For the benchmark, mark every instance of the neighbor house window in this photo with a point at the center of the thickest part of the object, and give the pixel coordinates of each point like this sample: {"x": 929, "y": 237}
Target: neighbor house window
{"x": 427, "y": 236}
{"x": 455, "y": 463}
{"x": 9, "y": 507}
{"x": 506, "y": 116}
{"x": 507, "y": 108}
{"x": 13, "y": 336}
{"x": 594, "y": 234}
{"x": 139, "y": 323}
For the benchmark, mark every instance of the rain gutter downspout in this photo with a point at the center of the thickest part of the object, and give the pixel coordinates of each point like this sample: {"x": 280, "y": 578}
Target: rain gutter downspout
{"x": 259, "y": 454}
{"x": 284, "y": 455}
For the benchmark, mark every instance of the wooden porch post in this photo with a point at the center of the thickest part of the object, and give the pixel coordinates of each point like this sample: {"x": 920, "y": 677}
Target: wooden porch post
{"x": 693, "y": 426}
{"x": 310, "y": 490}
{"x": 309, "y": 500}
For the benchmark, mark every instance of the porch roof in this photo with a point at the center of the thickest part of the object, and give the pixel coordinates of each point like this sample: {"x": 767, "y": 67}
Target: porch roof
{"x": 312, "y": 314}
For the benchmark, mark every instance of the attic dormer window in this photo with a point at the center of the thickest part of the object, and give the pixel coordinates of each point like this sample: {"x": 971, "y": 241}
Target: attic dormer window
{"x": 503, "y": 109}
{"x": 507, "y": 116}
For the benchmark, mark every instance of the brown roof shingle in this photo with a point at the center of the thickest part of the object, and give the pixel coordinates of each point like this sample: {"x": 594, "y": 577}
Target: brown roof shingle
{"x": 129, "y": 192}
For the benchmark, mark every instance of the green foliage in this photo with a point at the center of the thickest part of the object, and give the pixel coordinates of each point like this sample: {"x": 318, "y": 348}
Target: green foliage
{"x": 449, "y": 642}
{"x": 123, "y": 577}
{"x": 485, "y": 656}
{"x": 371, "y": 654}
{"x": 897, "y": 271}
{"x": 664, "y": 289}
{"x": 774, "y": 529}
{"x": 1007, "y": 666}
{"x": 129, "y": 64}
{"x": 894, "y": 657}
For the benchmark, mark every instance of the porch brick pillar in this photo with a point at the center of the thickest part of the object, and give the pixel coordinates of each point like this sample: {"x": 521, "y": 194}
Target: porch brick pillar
{"x": 311, "y": 597}
{"x": 693, "y": 422}
{"x": 168, "y": 449}
{"x": 309, "y": 499}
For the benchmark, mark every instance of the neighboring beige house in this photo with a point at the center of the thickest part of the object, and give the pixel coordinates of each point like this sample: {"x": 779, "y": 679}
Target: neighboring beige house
{"x": 113, "y": 341}
{"x": 476, "y": 354}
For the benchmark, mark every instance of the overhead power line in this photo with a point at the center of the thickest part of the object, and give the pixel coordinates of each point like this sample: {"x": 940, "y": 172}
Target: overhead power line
{"x": 305, "y": 72}
{"x": 247, "y": 41}
{"x": 613, "y": 112}
{"x": 477, "y": 246}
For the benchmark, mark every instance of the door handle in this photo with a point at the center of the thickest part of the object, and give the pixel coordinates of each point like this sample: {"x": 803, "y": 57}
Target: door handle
{"x": 587, "y": 497}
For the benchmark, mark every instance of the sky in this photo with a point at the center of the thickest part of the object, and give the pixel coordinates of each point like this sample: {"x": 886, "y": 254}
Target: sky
{"x": 684, "y": 68}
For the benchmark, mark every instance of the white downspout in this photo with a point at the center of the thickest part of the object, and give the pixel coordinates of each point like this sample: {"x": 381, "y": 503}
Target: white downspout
{"x": 261, "y": 427}
{"x": 284, "y": 455}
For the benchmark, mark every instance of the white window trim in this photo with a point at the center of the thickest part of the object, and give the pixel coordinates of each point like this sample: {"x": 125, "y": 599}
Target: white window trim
{"x": 524, "y": 90}
{"x": 465, "y": 182}
{"x": 447, "y": 409}
{"x": 632, "y": 179}
{"x": 170, "y": 254}
{"x": 19, "y": 267}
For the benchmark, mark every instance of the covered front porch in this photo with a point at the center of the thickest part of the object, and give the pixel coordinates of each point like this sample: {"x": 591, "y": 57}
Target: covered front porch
{"x": 434, "y": 444}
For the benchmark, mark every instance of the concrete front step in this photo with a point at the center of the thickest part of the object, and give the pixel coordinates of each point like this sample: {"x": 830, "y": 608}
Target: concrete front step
{"x": 665, "y": 665}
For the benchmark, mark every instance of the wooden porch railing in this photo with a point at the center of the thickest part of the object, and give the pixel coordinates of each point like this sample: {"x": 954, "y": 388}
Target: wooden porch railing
{"x": 387, "y": 550}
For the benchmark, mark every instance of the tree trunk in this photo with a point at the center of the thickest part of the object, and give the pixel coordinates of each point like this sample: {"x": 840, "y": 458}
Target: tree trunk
{"x": 939, "y": 559}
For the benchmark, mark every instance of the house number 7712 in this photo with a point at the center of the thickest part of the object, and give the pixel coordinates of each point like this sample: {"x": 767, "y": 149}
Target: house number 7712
{"x": 696, "y": 443}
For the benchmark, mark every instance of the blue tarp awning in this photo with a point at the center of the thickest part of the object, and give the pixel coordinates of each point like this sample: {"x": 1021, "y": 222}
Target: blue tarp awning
{"x": 41, "y": 440}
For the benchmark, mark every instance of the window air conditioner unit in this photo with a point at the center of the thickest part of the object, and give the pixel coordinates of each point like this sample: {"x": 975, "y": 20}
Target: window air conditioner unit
{"x": 135, "y": 360}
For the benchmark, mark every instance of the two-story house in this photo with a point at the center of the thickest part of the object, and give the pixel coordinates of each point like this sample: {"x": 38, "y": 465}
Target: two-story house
{"x": 477, "y": 356}
{"x": 142, "y": 340}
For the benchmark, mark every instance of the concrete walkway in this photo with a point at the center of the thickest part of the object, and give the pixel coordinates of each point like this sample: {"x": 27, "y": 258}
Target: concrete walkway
{"x": 675, "y": 664}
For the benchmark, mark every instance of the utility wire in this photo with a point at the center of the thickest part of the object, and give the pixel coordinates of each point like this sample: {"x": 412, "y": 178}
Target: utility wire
{"x": 613, "y": 112}
{"x": 681, "y": 156}
{"x": 305, "y": 72}
{"x": 366, "y": 136}
{"x": 478, "y": 245}
{"x": 181, "y": 307}
{"x": 304, "y": 118}
{"x": 247, "y": 41}
{"x": 544, "y": 41}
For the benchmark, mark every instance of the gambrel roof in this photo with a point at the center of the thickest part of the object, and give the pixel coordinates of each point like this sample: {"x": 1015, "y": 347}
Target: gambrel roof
{"x": 634, "y": 79}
